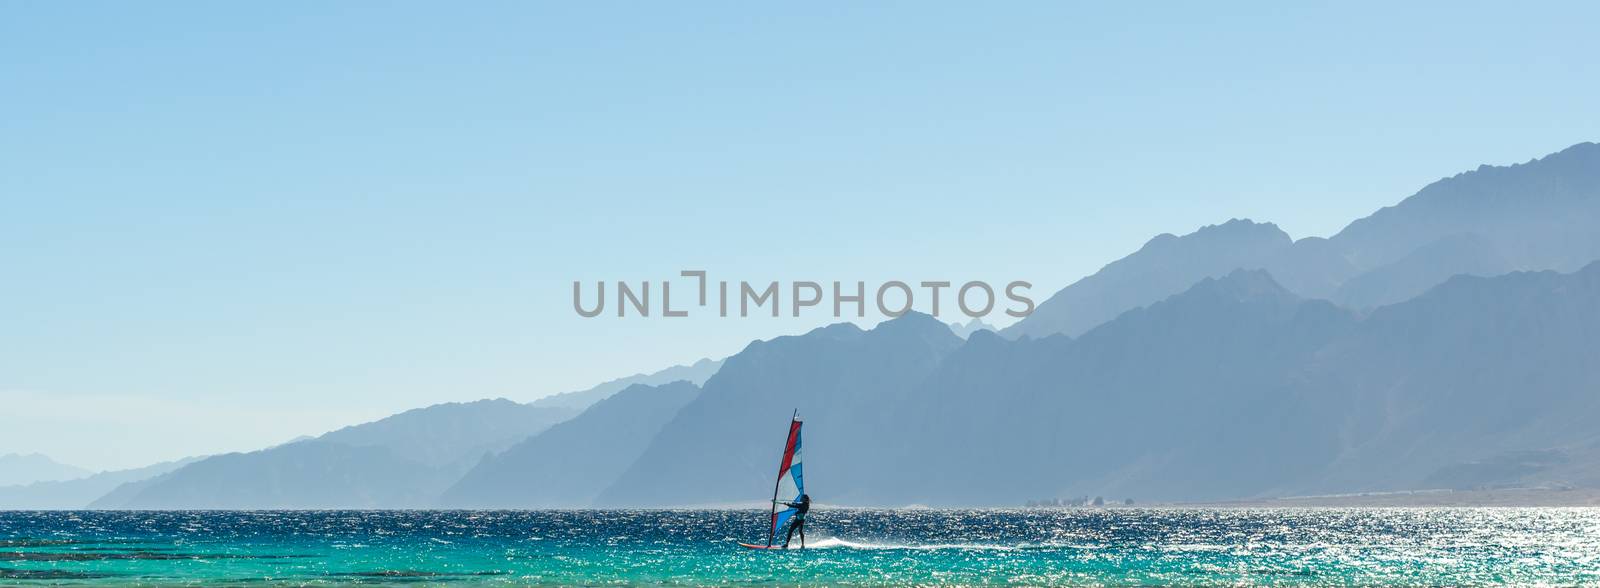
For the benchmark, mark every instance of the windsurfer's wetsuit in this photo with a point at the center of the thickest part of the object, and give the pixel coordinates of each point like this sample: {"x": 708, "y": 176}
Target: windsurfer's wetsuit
{"x": 798, "y": 522}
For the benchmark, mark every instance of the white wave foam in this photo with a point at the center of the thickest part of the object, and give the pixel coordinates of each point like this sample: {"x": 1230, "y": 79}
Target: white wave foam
{"x": 837, "y": 543}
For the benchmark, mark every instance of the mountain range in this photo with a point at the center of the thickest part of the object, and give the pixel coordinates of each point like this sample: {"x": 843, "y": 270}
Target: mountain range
{"x": 80, "y": 492}
{"x": 695, "y": 373}
{"x": 568, "y": 465}
{"x": 1449, "y": 341}
{"x": 19, "y": 469}
{"x": 1539, "y": 215}
{"x": 852, "y": 384}
{"x": 1233, "y": 388}
{"x": 403, "y": 461}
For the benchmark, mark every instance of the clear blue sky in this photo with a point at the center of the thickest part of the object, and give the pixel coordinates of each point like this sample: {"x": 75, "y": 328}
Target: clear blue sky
{"x": 224, "y": 224}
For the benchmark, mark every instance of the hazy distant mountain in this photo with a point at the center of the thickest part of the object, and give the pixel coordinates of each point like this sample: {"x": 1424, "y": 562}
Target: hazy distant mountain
{"x": 452, "y": 434}
{"x": 1479, "y": 382}
{"x": 1237, "y": 388}
{"x": 569, "y": 464}
{"x": 1233, "y": 388}
{"x": 1184, "y": 399}
{"x": 77, "y": 493}
{"x": 853, "y": 385}
{"x": 1165, "y": 401}
{"x": 972, "y": 326}
{"x": 695, "y": 374}
{"x": 401, "y": 461}
{"x": 1231, "y": 362}
{"x": 1424, "y": 268}
{"x": 1165, "y": 266}
{"x": 1533, "y": 216}
{"x": 1539, "y": 215}
{"x": 305, "y": 475}
{"x": 16, "y": 468}
{"x": 106, "y": 489}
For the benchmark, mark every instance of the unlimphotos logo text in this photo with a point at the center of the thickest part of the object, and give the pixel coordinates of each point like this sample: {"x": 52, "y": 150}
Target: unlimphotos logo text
{"x": 893, "y": 298}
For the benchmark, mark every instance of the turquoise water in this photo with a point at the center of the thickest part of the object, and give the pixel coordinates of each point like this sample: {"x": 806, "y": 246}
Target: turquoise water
{"x": 1313, "y": 547}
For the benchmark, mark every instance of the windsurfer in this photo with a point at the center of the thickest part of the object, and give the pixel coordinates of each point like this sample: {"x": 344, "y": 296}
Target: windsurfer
{"x": 798, "y": 521}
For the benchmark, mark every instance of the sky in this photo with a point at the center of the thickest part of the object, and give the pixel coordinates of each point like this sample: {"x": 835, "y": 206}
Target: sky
{"x": 226, "y": 225}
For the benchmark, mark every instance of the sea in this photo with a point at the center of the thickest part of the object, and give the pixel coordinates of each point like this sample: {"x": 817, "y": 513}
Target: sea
{"x": 845, "y": 547}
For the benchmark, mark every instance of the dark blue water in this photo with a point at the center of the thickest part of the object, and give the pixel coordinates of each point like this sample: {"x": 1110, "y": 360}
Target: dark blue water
{"x": 1288, "y": 547}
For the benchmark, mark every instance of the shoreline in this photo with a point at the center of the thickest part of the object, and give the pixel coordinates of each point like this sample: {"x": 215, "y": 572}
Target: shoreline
{"x": 1506, "y": 498}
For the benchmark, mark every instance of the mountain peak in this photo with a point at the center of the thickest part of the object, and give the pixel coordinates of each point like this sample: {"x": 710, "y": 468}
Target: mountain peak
{"x": 917, "y": 326}
{"x": 1234, "y": 230}
{"x": 912, "y": 320}
{"x": 1241, "y": 227}
{"x": 1240, "y": 224}
{"x": 1166, "y": 265}
{"x": 1243, "y": 285}
{"x": 971, "y": 326}
{"x": 834, "y": 331}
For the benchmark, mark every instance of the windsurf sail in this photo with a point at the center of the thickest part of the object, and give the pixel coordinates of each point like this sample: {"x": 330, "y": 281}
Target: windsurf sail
{"x": 791, "y": 481}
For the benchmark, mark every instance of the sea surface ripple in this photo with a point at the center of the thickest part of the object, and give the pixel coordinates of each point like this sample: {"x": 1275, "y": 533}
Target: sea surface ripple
{"x": 1103, "y": 547}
